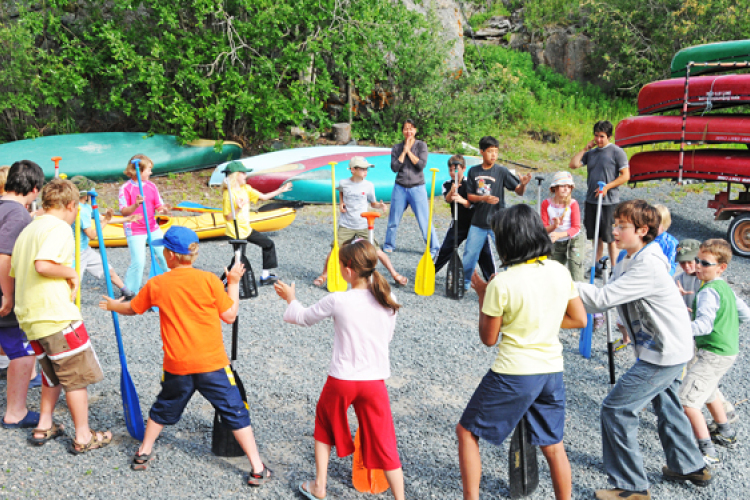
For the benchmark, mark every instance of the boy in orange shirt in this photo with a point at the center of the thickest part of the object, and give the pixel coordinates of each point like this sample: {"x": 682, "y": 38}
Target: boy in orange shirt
{"x": 192, "y": 303}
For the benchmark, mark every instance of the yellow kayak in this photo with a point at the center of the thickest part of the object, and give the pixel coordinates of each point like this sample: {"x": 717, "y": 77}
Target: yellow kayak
{"x": 206, "y": 225}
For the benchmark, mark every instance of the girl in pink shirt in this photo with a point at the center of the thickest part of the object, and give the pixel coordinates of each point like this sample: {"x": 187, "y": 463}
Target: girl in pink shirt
{"x": 561, "y": 217}
{"x": 135, "y": 232}
{"x": 363, "y": 322}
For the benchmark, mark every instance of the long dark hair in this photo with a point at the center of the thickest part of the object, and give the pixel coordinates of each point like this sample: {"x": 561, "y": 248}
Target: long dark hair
{"x": 520, "y": 235}
{"x": 361, "y": 257}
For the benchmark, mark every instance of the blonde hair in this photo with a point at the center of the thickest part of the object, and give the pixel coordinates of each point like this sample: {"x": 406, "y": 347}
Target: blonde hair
{"x": 718, "y": 248}
{"x": 187, "y": 258}
{"x": 666, "y": 217}
{"x": 234, "y": 181}
{"x": 361, "y": 257}
{"x": 3, "y": 177}
{"x": 59, "y": 193}
{"x": 567, "y": 200}
{"x": 143, "y": 165}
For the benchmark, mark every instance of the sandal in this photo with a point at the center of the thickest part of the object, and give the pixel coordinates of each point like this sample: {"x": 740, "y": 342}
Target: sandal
{"x": 260, "y": 478}
{"x": 307, "y": 493}
{"x": 141, "y": 462}
{"x": 400, "y": 280}
{"x": 55, "y": 431}
{"x": 320, "y": 280}
{"x": 619, "y": 346}
{"x": 94, "y": 443}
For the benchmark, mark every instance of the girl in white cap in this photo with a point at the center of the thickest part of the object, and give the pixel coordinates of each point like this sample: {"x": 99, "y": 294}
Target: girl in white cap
{"x": 561, "y": 216}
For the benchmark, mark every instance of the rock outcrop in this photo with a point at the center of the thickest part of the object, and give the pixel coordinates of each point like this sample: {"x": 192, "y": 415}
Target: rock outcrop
{"x": 449, "y": 14}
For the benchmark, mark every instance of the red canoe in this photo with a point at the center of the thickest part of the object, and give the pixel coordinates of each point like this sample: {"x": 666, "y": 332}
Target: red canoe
{"x": 723, "y": 165}
{"x": 713, "y": 129}
{"x": 270, "y": 179}
{"x": 705, "y": 93}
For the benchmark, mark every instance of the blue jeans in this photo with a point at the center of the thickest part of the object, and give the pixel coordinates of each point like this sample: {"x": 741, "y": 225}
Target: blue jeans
{"x": 137, "y": 246}
{"x": 474, "y": 243}
{"x": 416, "y": 197}
{"x": 644, "y": 383}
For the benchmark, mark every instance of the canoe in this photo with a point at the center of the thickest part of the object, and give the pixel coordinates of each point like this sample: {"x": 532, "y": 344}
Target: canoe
{"x": 206, "y": 225}
{"x": 314, "y": 186}
{"x": 735, "y": 51}
{"x": 104, "y": 156}
{"x": 705, "y": 93}
{"x": 277, "y": 159}
{"x": 720, "y": 165}
{"x": 710, "y": 129}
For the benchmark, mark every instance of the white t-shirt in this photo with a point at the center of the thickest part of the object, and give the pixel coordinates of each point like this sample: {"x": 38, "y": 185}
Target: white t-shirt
{"x": 356, "y": 197}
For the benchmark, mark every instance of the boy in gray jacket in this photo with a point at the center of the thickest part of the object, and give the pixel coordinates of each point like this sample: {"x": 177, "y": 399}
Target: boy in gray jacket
{"x": 655, "y": 317}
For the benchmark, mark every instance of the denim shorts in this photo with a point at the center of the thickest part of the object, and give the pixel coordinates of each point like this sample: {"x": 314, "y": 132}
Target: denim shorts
{"x": 501, "y": 401}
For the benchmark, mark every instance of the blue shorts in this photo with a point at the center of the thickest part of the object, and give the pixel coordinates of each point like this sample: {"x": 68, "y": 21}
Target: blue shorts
{"x": 217, "y": 387}
{"x": 502, "y": 400}
{"x": 14, "y": 343}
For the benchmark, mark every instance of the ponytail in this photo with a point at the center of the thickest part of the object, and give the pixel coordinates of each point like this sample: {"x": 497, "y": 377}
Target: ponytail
{"x": 382, "y": 292}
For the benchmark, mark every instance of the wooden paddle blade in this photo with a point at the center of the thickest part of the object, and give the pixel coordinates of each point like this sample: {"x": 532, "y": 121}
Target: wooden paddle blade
{"x": 454, "y": 279}
{"x": 584, "y": 342}
{"x": 523, "y": 468}
{"x": 131, "y": 404}
{"x": 424, "y": 282}
{"x": 366, "y": 480}
{"x": 336, "y": 282}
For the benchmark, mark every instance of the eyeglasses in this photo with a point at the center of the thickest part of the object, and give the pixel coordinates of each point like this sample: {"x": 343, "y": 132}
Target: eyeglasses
{"x": 705, "y": 263}
{"x": 620, "y": 227}
{"x": 456, "y": 164}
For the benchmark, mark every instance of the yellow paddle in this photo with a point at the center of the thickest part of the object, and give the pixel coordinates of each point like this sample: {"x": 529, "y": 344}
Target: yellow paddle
{"x": 78, "y": 255}
{"x": 424, "y": 283}
{"x": 336, "y": 282}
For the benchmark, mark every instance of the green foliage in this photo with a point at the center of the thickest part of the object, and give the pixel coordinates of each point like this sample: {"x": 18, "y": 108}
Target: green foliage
{"x": 480, "y": 18}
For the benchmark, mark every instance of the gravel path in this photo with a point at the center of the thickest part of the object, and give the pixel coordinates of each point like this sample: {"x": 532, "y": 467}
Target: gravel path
{"x": 437, "y": 362}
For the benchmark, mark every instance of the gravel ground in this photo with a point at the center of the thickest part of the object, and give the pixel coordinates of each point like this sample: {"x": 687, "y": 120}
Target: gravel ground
{"x": 437, "y": 362}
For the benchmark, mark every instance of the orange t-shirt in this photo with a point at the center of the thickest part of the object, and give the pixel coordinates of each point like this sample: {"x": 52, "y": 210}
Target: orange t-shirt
{"x": 190, "y": 302}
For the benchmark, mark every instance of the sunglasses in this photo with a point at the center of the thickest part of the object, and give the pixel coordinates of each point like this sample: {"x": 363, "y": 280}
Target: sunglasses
{"x": 456, "y": 164}
{"x": 705, "y": 263}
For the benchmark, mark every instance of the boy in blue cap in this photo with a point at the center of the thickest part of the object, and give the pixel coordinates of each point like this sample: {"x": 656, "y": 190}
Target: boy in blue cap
{"x": 194, "y": 355}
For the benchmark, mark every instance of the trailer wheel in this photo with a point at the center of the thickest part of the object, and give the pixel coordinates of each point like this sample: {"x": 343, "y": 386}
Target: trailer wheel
{"x": 738, "y": 235}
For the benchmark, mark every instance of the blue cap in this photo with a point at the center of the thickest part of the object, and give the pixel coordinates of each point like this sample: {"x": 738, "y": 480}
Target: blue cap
{"x": 178, "y": 239}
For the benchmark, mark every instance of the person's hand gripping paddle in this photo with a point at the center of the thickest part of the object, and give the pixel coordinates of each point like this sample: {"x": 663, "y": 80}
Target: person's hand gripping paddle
{"x": 130, "y": 402}
{"x": 523, "y": 468}
{"x": 584, "y": 342}
{"x": 454, "y": 279}
{"x": 155, "y": 269}
{"x": 424, "y": 283}
{"x": 336, "y": 282}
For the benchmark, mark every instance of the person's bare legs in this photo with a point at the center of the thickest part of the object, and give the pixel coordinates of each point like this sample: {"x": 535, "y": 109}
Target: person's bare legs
{"x": 612, "y": 254}
{"x": 469, "y": 462}
{"x": 47, "y": 403}
{"x": 19, "y": 374}
{"x": 559, "y": 468}
{"x": 246, "y": 438}
{"x": 78, "y": 404}
{"x": 698, "y": 422}
{"x": 389, "y": 265}
{"x": 116, "y": 280}
{"x": 322, "y": 455}
{"x": 599, "y": 249}
{"x": 716, "y": 408}
{"x": 320, "y": 280}
{"x": 395, "y": 479}
{"x": 150, "y": 436}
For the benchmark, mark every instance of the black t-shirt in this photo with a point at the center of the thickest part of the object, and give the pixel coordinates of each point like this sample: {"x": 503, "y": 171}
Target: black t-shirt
{"x": 464, "y": 214}
{"x": 492, "y": 181}
{"x": 13, "y": 219}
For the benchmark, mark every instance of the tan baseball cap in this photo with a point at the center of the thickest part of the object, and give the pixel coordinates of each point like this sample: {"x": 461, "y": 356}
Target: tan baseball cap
{"x": 359, "y": 162}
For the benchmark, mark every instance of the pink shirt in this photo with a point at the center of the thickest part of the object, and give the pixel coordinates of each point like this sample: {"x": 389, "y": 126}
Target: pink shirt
{"x": 571, "y": 217}
{"x": 362, "y": 330}
{"x": 152, "y": 199}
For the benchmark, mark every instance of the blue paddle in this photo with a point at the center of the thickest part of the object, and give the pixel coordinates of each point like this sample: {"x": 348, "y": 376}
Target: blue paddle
{"x": 130, "y": 403}
{"x": 154, "y": 270}
{"x": 584, "y": 343}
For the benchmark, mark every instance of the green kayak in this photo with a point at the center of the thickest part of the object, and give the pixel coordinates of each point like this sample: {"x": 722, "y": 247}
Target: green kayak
{"x": 104, "y": 156}
{"x": 719, "y": 52}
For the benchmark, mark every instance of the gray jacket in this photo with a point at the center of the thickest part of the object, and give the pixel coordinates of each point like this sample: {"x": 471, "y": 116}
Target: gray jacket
{"x": 649, "y": 305}
{"x": 409, "y": 174}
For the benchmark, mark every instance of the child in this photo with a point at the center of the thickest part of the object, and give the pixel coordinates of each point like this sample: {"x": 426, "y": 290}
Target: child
{"x": 243, "y": 195}
{"x": 717, "y": 314}
{"x": 4, "y": 361}
{"x": 45, "y": 287}
{"x": 524, "y": 307}
{"x": 561, "y": 217}
{"x": 24, "y": 180}
{"x": 91, "y": 261}
{"x": 194, "y": 356}
{"x": 666, "y": 241}
{"x": 363, "y": 322}
{"x": 485, "y": 187}
{"x": 654, "y": 314}
{"x": 355, "y": 193}
{"x": 456, "y": 194}
{"x": 135, "y": 232}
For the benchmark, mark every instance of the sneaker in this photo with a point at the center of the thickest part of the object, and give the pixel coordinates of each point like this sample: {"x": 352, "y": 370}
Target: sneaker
{"x": 269, "y": 280}
{"x": 619, "y": 346}
{"x": 732, "y": 418}
{"x": 618, "y": 494}
{"x": 701, "y": 477}
{"x": 728, "y": 440}
{"x": 712, "y": 460}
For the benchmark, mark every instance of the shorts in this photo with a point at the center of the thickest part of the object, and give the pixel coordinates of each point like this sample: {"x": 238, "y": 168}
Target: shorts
{"x": 14, "y": 342}
{"x": 67, "y": 358}
{"x": 373, "y": 409}
{"x": 605, "y": 227}
{"x": 702, "y": 378}
{"x": 91, "y": 261}
{"x": 501, "y": 401}
{"x": 218, "y": 387}
{"x": 346, "y": 235}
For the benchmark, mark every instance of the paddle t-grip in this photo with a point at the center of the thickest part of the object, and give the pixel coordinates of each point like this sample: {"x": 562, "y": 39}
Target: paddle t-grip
{"x": 57, "y": 159}
{"x": 370, "y": 216}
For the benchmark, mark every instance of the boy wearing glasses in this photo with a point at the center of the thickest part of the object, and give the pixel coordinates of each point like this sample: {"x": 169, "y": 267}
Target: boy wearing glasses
{"x": 657, "y": 320}
{"x": 717, "y": 314}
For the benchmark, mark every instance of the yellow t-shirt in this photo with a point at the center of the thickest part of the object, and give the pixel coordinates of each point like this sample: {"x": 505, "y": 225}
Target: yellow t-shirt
{"x": 531, "y": 299}
{"x": 242, "y": 199}
{"x": 43, "y": 305}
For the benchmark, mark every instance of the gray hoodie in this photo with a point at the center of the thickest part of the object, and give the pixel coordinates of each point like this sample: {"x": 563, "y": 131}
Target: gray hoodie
{"x": 649, "y": 304}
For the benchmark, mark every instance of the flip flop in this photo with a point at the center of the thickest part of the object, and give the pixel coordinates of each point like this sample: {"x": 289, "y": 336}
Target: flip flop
{"x": 27, "y": 422}
{"x": 400, "y": 280}
{"x": 320, "y": 281}
{"x": 141, "y": 462}
{"x": 308, "y": 494}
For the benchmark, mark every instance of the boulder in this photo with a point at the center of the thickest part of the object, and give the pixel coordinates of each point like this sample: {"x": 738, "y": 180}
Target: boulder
{"x": 449, "y": 14}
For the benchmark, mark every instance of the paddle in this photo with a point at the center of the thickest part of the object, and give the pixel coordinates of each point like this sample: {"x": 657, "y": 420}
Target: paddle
{"x": 248, "y": 285}
{"x": 454, "y": 278}
{"x": 78, "y": 254}
{"x": 539, "y": 179}
{"x": 610, "y": 349}
{"x": 336, "y": 282}
{"x": 424, "y": 282}
{"x": 584, "y": 343}
{"x": 154, "y": 270}
{"x": 130, "y": 403}
{"x": 57, "y": 159}
{"x": 523, "y": 468}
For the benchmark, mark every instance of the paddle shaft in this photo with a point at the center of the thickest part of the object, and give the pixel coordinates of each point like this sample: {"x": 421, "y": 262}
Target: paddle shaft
{"x": 539, "y": 180}
{"x": 610, "y": 351}
{"x": 78, "y": 255}
{"x": 155, "y": 269}
{"x": 584, "y": 342}
{"x": 424, "y": 282}
{"x": 336, "y": 282}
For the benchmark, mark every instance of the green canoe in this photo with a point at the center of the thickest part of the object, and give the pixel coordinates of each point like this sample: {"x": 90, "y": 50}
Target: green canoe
{"x": 104, "y": 156}
{"x": 719, "y": 52}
